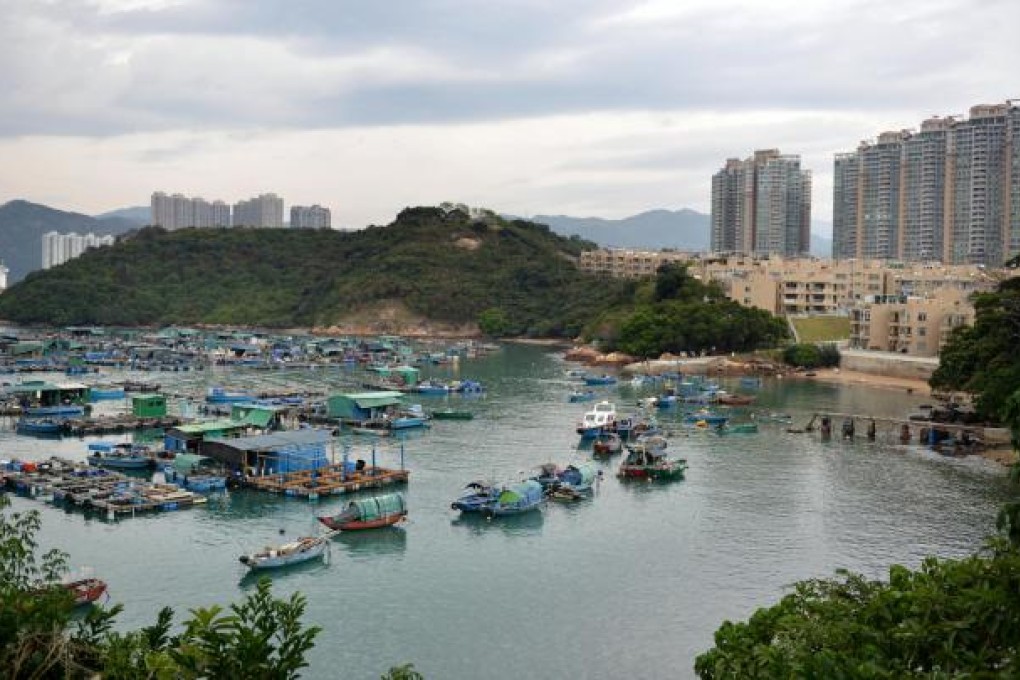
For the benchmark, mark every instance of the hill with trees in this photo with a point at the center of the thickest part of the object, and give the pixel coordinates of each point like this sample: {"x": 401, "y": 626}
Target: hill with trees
{"x": 441, "y": 264}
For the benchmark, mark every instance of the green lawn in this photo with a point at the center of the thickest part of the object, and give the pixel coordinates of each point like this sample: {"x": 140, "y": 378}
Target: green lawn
{"x": 822, "y": 328}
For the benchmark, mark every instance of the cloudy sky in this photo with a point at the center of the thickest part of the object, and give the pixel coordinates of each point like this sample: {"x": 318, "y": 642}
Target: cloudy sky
{"x": 580, "y": 107}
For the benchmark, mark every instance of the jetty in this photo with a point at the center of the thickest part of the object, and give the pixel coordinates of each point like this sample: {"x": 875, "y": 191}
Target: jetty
{"x": 906, "y": 430}
{"x": 331, "y": 479}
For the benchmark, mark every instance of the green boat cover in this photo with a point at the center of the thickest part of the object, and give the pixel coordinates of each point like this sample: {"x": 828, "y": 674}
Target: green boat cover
{"x": 380, "y": 506}
{"x": 588, "y": 473}
{"x": 517, "y": 492}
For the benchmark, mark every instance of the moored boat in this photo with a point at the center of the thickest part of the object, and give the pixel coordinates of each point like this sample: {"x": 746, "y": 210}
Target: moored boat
{"x": 602, "y": 418}
{"x": 106, "y": 392}
{"x": 451, "y": 414}
{"x": 218, "y": 395}
{"x": 475, "y": 497}
{"x": 85, "y": 591}
{"x": 578, "y": 396}
{"x": 607, "y": 444}
{"x": 368, "y": 513}
{"x": 40, "y": 426}
{"x": 734, "y": 399}
{"x": 604, "y": 379}
{"x": 302, "y": 550}
{"x": 514, "y": 499}
{"x": 647, "y": 461}
{"x": 119, "y": 456}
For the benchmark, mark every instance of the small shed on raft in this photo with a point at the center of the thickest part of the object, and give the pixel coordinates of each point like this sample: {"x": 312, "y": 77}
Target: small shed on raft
{"x": 361, "y": 406}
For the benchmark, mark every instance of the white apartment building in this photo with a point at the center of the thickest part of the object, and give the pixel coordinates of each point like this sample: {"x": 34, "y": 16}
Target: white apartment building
{"x": 177, "y": 211}
{"x": 3, "y": 277}
{"x": 310, "y": 217}
{"x": 59, "y": 248}
{"x": 265, "y": 210}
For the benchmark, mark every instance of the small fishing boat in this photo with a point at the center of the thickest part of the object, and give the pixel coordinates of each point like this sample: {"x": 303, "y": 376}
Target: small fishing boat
{"x": 645, "y": 461}
{"x": 604, "y": 379}
{"x": 475, "y": 497}
{"x": 302, "y": 550}
{"x": 705, "y": 416}
{"x": 451, "y": 414}
{"x": 432, "y": 387}
{"x": 85, "y": 591}
{"x": 607, "y": 444}
{"x": 468, "y": 387}
{"x": 218, "y": 395}
{"x": 123, "y": 456}
{"x": 514, "y": 499}
{"x": 105, "y": 392}
{"x": 602, "y": 418}
{"x": 578, "y": 396}
{"x": 40, "y": 426}
{"x": 369, "y": 513}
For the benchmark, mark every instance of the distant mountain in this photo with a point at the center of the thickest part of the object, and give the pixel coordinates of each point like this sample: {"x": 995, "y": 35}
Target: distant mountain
{"x": 680, "y": 229}
{"x": 22, "y": 225}
{"x": 139, "y": 215}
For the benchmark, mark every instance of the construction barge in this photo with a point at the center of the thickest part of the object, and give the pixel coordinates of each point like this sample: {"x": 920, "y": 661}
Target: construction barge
{"x": 94, "y": 489}
{"x": 334, "y": 479}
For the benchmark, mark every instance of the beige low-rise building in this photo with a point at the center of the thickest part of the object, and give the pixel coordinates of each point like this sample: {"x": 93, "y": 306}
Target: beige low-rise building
{"x": 800, "y": 286}
{"x": 910, "y": 325}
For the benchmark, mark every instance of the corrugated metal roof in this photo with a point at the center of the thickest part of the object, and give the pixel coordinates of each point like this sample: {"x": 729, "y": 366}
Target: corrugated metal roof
{"x": 279, "y": 440}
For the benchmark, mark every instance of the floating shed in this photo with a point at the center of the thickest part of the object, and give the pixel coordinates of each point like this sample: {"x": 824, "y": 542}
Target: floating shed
{"x": 361, "y": 406}
{"x": 148, "y": 406}
{"x": 275, "y": 453}
{"x": 190, "y": 438}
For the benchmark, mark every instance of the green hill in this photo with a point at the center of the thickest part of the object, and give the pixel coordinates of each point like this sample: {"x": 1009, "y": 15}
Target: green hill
{"x": 442, "y": 266}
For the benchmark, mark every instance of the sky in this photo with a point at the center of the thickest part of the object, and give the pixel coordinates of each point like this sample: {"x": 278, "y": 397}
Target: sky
{"x": 577, "y": 107}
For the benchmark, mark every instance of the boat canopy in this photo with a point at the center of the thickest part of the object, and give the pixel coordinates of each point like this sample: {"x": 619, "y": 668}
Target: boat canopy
{"x": 380, "y": 506}
{"x": 360, "y": 405}
{"x": 186, "y": 462}
{"x": 515, "y": 493}
{"x": 586, "y": 473}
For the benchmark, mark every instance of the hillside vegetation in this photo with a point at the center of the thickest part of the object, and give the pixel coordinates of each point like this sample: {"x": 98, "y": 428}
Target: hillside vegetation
{"x": 441, "y": 264}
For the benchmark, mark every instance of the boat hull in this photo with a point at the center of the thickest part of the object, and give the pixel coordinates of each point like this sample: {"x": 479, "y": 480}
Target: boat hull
{"x": 360, "y": 525}
{"x": 120, "y": 464}
{"x": 668, "y": 471}
{"x": 276, "y": 561}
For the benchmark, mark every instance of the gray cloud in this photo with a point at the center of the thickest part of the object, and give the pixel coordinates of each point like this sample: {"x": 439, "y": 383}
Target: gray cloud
{"x": 75, "y": 68}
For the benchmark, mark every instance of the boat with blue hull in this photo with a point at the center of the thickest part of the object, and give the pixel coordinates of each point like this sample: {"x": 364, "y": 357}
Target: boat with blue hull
{"x": 218, "y": 395}
{"x": 604, "y": 379}
{"x": 106, "y": 392}
{"x": 602, "y": 418}
{"x": 124, "y": 456}
{"x": 515, "y": 499}
{"x": 40, "y": 426}
{"x": 475, "y": 497}
{"x": 579, "y": 396}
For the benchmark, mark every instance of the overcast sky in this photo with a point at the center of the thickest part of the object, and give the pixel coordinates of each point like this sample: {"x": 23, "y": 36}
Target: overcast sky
{"x": 579, "y": 107}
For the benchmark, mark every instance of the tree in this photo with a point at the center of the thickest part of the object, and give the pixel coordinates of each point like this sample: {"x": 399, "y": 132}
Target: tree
{"x": 493, "y": 322}
{"x": 262, "y": 637}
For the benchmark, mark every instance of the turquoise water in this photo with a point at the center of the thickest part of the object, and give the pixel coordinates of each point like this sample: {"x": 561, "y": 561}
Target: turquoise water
{"x": 629, "y": 584}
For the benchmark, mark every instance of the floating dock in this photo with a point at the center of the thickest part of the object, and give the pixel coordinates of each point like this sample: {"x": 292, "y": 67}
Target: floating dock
{"x": 96, "y": 489}
{"x": 112, "y": 424}
{"x": 326, "y": 481}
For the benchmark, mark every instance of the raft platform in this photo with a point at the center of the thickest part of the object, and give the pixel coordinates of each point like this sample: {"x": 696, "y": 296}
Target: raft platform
{"x": 94, "y": 488}
{"x": 112, "y": 424}
{"x": 327, "y": 481}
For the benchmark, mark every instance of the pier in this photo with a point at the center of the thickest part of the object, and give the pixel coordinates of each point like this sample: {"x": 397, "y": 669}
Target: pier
{"x": 906, "y": 430}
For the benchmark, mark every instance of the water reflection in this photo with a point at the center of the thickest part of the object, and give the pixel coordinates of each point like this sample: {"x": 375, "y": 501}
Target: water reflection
{"x": 385, "y": 541}
{"x": 528, "y": 523}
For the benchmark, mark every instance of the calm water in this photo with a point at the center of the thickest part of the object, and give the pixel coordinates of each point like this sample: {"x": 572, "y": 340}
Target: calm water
{"x": 629, "y": 584}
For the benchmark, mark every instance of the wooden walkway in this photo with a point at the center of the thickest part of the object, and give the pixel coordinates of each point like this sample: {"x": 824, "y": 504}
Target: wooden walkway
{"x": 325, "y": 481}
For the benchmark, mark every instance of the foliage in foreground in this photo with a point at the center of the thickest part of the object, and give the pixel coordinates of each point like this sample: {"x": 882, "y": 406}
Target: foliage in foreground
{"x": 950, "y": 618}
{"x": 677, "y": 313}
{"x": 262, "y": 637}
{"x": 982, "y": 359}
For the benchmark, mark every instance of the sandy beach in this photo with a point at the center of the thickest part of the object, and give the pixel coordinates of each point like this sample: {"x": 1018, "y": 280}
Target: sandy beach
{"x": 835, "y": 375}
